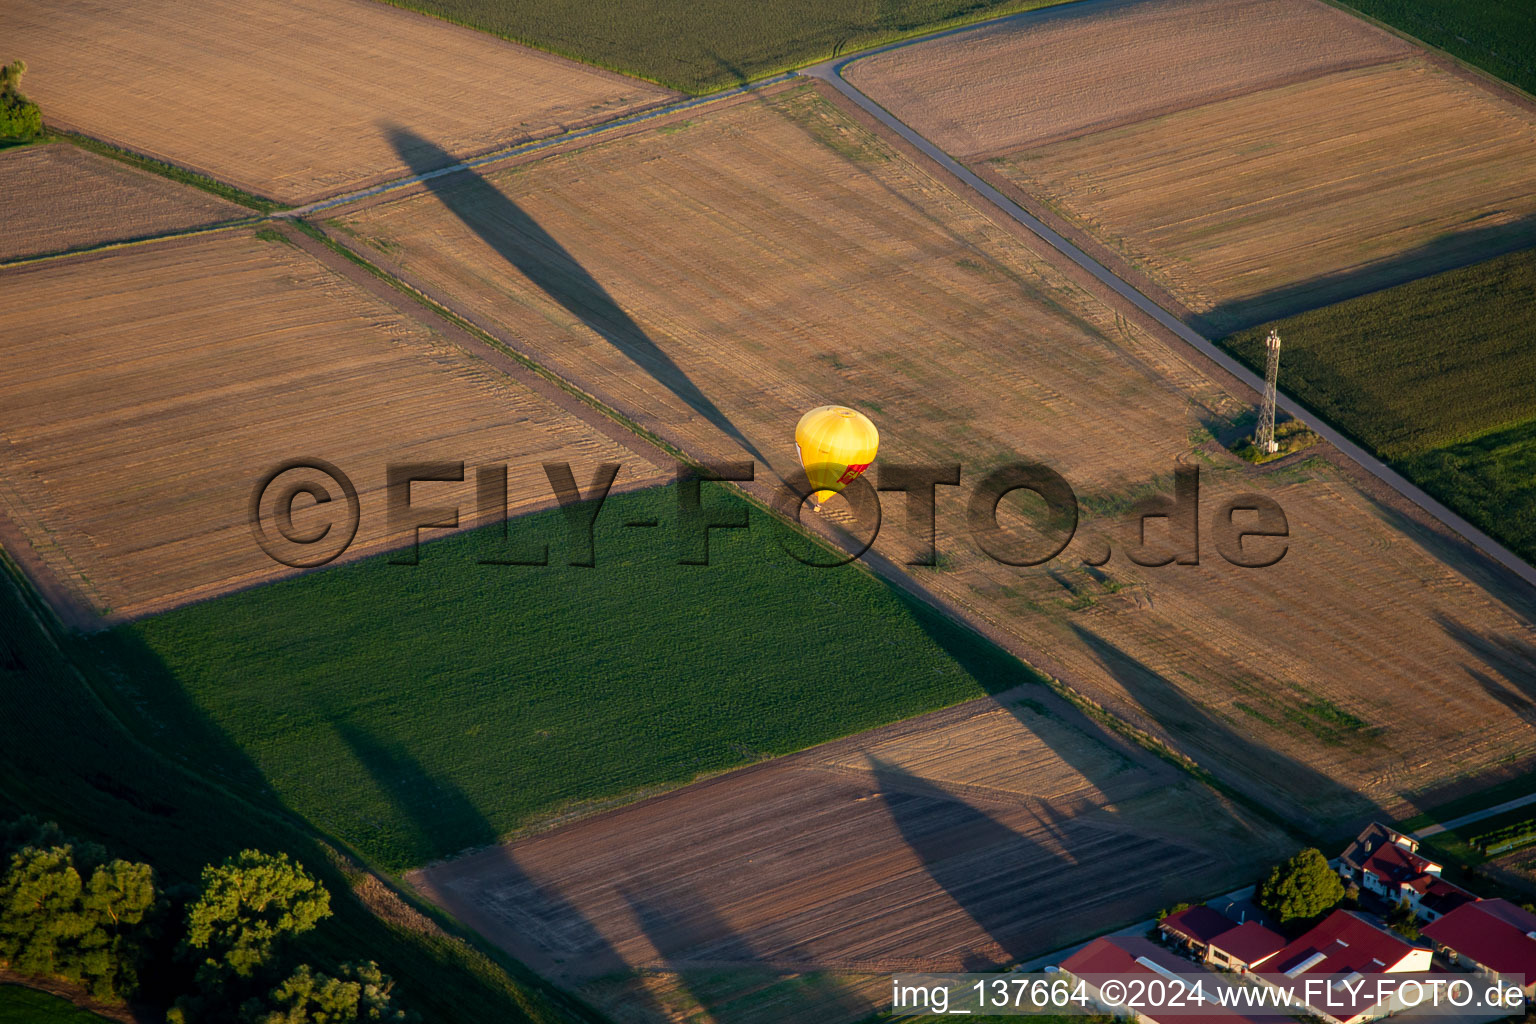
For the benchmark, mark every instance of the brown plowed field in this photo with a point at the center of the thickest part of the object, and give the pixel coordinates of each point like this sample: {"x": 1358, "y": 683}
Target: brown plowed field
{"x": 297, "y": 100}
{"x": 720, "y": 276}
{"x": 147, "y": 390}
{"x": 55, "y": 197}
{"x": 981, "y": 834}
{"x": 1245, "y": 208}
{"x": 1252, "y": 159}
{"x": 1065, "y": 71}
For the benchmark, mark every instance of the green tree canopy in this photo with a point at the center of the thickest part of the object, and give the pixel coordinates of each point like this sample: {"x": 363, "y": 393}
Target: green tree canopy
{"x": 361, "y": 993}
{"x": 19, "y": 117}
{"x": 54, "y": 923}
{"x": 247, "y": 905}
{"x": 1301, "y": 888}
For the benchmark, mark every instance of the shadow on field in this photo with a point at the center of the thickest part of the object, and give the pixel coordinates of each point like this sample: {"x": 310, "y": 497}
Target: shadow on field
{"x": 1495, "y": 581}
{"x": 521, "y": 241}
{"x": 693, "y": 941}
{"x": 437, "y": 809}
{"x": 103, "y": 739}
{"x": 1446, "y": 252}
{"x": 977, "y": 860}
{"x": 1510, "y": 656}
{"x": 1322, "y": 803}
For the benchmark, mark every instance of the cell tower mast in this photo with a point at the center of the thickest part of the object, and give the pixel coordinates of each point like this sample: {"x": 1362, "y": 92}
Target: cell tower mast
{"x": 1264, "y": 436}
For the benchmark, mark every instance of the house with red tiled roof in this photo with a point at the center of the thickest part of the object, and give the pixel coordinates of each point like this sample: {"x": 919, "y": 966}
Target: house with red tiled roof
{"x": 1493, "y": 936}
{"x": 1387, "y": 862}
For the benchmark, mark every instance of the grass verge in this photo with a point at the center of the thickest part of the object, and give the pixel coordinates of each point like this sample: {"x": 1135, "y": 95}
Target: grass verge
{"x": 167, "y": 170}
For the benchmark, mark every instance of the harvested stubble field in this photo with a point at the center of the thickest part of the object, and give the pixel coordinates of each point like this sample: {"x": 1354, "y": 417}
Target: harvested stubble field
{"x": 1328, "y": 171}
{"x": 56, "y": 196}
{"x": 148, "y": 389}
{"x": 293, "y": 102}
{"x": 941, "y": 843}
{"x": 1004, "y": 88}
{"x": 821, "y": 265}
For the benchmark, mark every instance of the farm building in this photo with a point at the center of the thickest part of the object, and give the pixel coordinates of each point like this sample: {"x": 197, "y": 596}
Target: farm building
{"x": 1387, "y": 863}
{"x": 1128, "y": 956}
{"x": 1245, "y": 948}
{"x": 1221, "y": 941}
{"x": 1493, "y": 936}
{"x": 1345, "y": 945}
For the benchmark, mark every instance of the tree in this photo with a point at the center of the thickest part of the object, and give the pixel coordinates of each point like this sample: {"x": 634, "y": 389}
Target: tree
{"x": 1404, "y": 921}
{"x": 1301, "y": 888}
{"x": 19, "y": 117}
{"x": 361, "y": 993}
{"x": 247, "y": 905}
{"x": 54, "y": 924}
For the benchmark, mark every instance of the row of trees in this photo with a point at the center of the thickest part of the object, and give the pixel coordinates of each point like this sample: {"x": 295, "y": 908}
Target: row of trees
{"x": 19, "y": 117}
{"x": 218, "y": 952}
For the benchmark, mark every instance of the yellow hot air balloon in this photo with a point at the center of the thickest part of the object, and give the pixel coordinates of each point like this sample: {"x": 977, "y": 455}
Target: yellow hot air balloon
{"x": 836, "y": 444}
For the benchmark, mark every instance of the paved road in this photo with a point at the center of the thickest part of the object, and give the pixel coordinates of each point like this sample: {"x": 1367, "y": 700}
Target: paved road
{"x": 1467, "y": 819}
{"x": 831, "y": 73}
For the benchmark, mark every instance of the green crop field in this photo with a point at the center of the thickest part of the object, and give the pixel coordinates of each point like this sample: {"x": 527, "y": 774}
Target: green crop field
{"x": 1435, "y": 377}
{"x": 27, "y": 1006}
{"x": 414, "y": 711}
{"x": 72, "y": 754}
{"x": 1498, "y": 36}
{"x": 701, "y": 47}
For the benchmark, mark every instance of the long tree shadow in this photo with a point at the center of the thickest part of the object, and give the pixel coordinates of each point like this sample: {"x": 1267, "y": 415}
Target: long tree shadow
{"x": 979, "y": 862}
{"x": 693, "y": 941}
{"x": 1510, "y": 656}
{"x": 520, "y": 240}
{"x": 105, "y": 740}
{"x": 1329, "y": 805}
{"x": 1444, "y": 252}
{"x": 435, "y": 809}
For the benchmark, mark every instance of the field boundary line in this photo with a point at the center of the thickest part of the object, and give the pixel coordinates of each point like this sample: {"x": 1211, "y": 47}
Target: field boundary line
{"x": 1485, "y": 77}
{"x": 125, "y": 243}
{"x": 831, "y": 73}
{"x": 525, "y": 148}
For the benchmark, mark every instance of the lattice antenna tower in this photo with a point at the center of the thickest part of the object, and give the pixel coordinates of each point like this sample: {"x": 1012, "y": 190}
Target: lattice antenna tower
{"x": 1264, "y": 437}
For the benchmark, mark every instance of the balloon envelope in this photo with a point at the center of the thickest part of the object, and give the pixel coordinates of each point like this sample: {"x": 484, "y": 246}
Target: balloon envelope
{"x": 836, "y": 444}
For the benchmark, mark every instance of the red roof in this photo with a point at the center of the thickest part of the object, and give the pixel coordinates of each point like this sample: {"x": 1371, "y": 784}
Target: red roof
{"x": 1491, "y": 932}
{"x": 1199, "y": 923}
{"x": 1442, "y": 897}
{"x": 1341, "y": 944}
{"x": 1250, "y": 943}
{"x": 1121, "y": 955}
{"x": 1395, "y": 865}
